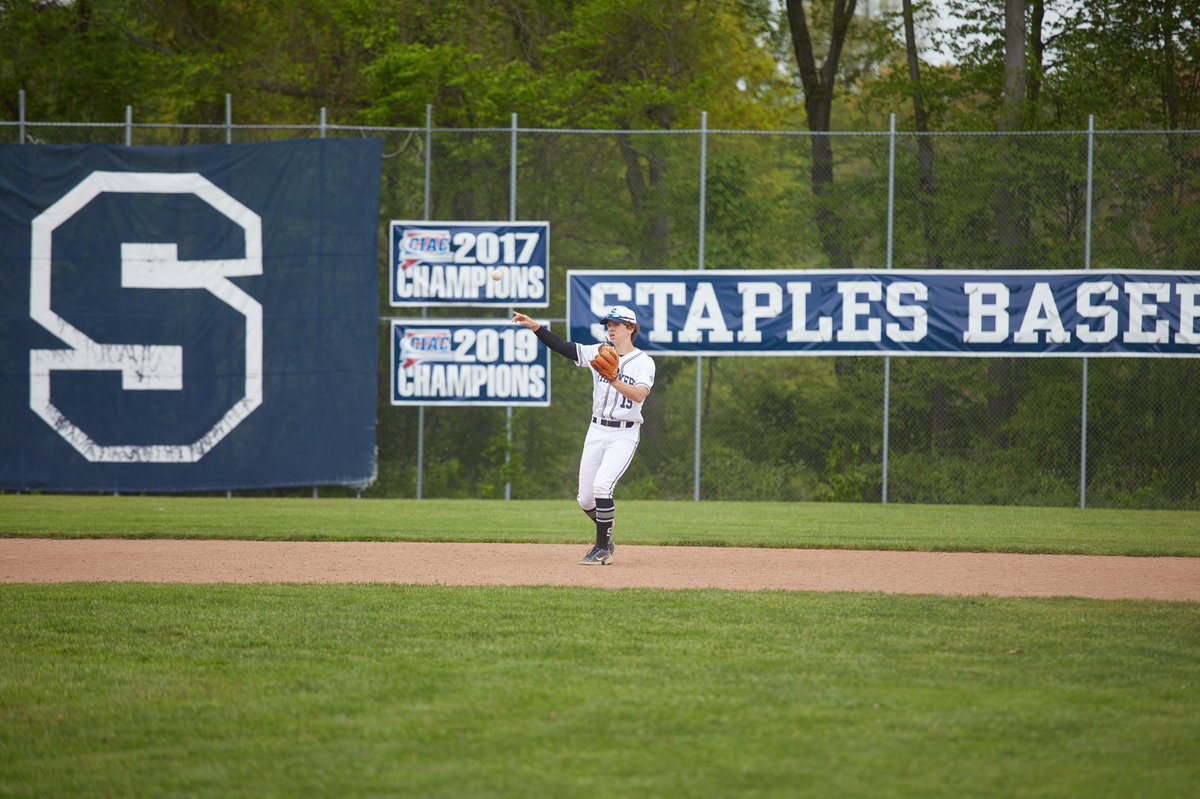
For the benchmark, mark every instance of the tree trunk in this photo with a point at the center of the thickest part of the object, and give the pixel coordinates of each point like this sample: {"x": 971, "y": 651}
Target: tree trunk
{"x": 1014, "y": 64}
{"x": 647, "y": 192}
{"x": 818, "y": 103}
{"x": 1037, "y": 50}
{"x": 712, "y": 373}
{"x": 1009, "y": 223}
{"x": 933, "y": 258}
{"x": 939, "y": 413}
{"x": 1167, "y": 28}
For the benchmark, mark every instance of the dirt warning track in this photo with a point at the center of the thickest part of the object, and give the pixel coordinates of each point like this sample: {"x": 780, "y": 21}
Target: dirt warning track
{"x": 32, "y": 560}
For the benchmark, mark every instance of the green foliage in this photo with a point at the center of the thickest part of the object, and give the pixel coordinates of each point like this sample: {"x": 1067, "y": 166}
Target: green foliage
{"x": 731, "y": 474}
{"x": 407, "y": 77}
{"x": 1126, "y": 62}
{"x": 599, "y": 63}
{"x": 848, "y": 477}
{"x": 1132, "y": 64}
{"x": 989, "y": 476}
{"x": 1144, "y": 431}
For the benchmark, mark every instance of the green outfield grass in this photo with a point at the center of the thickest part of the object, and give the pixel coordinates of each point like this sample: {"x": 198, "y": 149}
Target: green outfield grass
{"x": 117, "y": 690}
{"x": 760, "y": 524}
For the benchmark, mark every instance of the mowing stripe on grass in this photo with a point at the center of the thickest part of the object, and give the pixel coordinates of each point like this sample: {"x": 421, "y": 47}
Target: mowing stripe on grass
{"x": 750, "y": 524}
{"x": 118, "y": 690}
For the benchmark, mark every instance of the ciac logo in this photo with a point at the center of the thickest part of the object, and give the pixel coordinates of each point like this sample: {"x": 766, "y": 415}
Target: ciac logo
{"x": 144, "y": 367}
{"x": 425, "y": 246}
{"x": 426, "y": 345}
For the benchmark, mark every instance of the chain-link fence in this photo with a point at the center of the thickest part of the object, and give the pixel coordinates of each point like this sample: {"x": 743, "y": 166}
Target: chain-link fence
{"x": 1022, "y": 431}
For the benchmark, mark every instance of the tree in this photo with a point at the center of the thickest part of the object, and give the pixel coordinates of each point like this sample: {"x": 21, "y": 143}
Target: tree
{"x": 924, "y": 144}
{"x": 1011, "y": 224}
{"x": 74, "y": 61}
{"x": 1014, "y": 65}
{"x": 653, "y": 65}
{"x": 818, "y": 85}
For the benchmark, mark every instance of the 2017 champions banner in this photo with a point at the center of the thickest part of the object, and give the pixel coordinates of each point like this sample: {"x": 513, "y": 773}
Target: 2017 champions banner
{"x": 882, "y": 312}
{"x": 188, "y": 318}
{"x": 497, "y": 264}
{"x": 468, "y": 362}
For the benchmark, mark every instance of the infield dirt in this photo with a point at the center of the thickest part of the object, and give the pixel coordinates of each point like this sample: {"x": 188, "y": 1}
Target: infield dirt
{"x": 35, "y": 560}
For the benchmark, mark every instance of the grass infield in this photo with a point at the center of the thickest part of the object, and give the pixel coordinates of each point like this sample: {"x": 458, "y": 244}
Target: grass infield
{"x": 756, "y": 524}
{"x": 118, "y": 690}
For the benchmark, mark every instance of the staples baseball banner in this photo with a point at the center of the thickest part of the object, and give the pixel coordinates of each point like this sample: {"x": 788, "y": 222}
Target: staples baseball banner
{"x": 878, "y": 312}
{"x": 462, "y": 362}
{"x": 470, "y": 263}
{"x": 188, "y": 318}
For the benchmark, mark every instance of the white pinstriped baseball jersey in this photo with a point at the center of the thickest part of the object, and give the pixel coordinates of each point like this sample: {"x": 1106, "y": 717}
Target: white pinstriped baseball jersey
{"x": 636, "y": 368}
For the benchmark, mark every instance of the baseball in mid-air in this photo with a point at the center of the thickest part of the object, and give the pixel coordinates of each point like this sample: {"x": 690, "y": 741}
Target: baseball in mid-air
{"x": 496, "y": 275}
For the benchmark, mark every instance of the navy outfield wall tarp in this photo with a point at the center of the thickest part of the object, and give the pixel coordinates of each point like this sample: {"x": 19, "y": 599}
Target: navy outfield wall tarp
{"x": 179, "y": 319}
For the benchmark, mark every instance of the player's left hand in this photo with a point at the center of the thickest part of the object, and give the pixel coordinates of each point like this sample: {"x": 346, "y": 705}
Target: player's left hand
{"x": 607, "y": 362}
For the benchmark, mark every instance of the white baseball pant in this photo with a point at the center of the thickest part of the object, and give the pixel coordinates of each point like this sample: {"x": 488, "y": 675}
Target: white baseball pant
{"x": 607, "y": 453}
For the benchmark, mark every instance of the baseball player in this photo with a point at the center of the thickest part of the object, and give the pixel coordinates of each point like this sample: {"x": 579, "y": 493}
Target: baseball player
{"x": 623, "y": 376}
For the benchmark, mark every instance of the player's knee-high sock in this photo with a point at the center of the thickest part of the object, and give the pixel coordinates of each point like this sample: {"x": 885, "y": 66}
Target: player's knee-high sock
{"x": 591, "y": 512}
{"x": 605, "y": 511}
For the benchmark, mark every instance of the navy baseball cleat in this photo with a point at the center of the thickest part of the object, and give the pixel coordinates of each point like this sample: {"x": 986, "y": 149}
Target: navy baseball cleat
{"x": 598, "y": 556}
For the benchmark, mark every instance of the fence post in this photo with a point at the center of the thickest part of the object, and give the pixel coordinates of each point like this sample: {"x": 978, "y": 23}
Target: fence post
{"x": 228, "y": 140}
{"x": 512, "y": 217}
{"x": 228, "y": 118}
{"x": 21, "y": 116}
{"x": 424, "y": 310}
{"x": 1087, "y": 265}
{"x": 700, "y": 266}
{"x": 887, "y": 359}
{"x": 128, "y": 126}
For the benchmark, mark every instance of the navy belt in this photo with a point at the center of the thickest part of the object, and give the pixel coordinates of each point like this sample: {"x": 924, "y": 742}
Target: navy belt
{"x": 607, "y": 423}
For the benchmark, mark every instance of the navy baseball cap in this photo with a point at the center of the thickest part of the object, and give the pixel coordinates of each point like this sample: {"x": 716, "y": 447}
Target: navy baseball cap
{"x": 619, "y": 313}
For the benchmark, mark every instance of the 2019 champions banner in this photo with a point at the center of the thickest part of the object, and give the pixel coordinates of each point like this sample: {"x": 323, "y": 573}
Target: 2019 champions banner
{"x": 468, "y": 362}
{"x": 188, "y": 318}
{"x": 885, "y": 312}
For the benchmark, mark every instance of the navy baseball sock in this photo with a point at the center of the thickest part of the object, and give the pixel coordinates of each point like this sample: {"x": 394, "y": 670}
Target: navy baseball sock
{"x": 591, "y": 512}
{"x": 605, "y": 511}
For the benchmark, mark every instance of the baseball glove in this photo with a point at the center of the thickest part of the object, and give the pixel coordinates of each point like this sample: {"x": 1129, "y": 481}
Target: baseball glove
{"x": 606, "y": 363}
